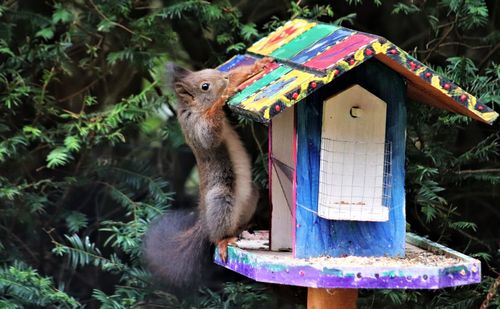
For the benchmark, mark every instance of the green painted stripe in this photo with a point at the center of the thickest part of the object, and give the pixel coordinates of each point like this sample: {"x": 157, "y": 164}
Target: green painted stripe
{"x": 303, "y": 41}
{"x": 259, "y": 84}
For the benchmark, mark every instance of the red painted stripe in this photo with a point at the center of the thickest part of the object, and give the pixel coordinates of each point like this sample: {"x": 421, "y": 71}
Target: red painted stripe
{"x": 339, "y": 51}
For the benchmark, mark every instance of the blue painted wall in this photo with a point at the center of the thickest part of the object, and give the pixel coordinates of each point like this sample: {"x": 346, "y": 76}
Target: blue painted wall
{"x": 316, "y": 236}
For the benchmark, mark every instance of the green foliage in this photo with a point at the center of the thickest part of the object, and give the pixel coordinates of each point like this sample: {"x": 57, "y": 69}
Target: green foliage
{"x": 75, "y": 221}
{"x": 82, "y": 168}
{"x": 356, "y": 2}
{"x": 403, "y": 8}
{"x": 450, "y": 173}
{"x": 90, "y": 152}
{"x": 315, "y": 12}
{"x": 436, "y": 166}
{"x": 21, "y": 286}
{"x": 237, "y": 295}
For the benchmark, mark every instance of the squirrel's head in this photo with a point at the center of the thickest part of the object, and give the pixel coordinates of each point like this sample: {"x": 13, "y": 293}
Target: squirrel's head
{"x": 198, "y": 90}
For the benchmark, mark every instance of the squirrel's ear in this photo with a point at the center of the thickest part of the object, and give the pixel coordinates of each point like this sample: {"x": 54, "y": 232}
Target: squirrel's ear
{"x": 176, "y": 73}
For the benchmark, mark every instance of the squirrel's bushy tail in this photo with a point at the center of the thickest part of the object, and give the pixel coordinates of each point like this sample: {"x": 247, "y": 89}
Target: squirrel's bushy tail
{"x": 176, "y": 249}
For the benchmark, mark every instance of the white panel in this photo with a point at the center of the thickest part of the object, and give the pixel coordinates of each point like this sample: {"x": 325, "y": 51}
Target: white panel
{"x": 281, "y": 184}
{"x": 352, "y": 157}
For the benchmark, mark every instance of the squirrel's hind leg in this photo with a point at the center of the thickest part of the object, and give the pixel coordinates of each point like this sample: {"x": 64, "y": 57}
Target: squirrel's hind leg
{"x": 221, "y": 219}
{"x": 247, "y": 214}
{"x": 223, "y": 244}
{"x": 219, "y": 213}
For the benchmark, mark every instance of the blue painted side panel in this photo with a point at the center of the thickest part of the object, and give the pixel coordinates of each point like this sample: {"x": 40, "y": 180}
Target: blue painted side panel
{"x": 316, "y": 236}
{"x": 312, "y": 233}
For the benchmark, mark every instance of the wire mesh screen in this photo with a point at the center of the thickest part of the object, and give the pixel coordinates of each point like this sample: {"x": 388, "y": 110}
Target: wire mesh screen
{"x": 355, "y": 180}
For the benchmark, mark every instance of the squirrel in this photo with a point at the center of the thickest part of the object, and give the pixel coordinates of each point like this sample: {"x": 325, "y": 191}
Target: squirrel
{"x": 174, "y": 252}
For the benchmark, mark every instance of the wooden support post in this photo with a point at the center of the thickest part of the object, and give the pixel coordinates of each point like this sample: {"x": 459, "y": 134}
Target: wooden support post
{"x": 331, "y": 298}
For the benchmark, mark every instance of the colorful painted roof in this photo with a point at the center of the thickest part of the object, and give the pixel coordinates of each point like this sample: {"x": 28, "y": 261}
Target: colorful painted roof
{"x": 309, "y": 55}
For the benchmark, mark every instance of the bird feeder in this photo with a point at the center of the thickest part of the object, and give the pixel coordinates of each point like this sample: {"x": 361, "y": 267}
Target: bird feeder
{"x": 335, "y": 103}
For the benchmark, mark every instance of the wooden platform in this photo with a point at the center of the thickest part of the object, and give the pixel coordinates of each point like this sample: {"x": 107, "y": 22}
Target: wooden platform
{"x": 426, "y": 265}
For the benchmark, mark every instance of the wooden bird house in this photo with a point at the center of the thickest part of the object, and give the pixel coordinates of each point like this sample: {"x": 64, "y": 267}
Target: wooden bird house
{"x": 335, "y": 103}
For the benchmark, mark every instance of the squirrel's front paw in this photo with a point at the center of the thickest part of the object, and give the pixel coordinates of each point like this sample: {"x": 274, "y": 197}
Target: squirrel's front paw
{"x": 261, "y": 64}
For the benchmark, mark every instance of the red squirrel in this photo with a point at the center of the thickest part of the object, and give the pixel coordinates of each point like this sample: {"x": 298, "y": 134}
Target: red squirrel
{"x": 227, "y": 195}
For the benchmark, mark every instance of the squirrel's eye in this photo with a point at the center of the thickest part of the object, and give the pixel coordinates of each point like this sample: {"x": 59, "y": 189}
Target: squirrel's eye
{"x": 205, "y": 86}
